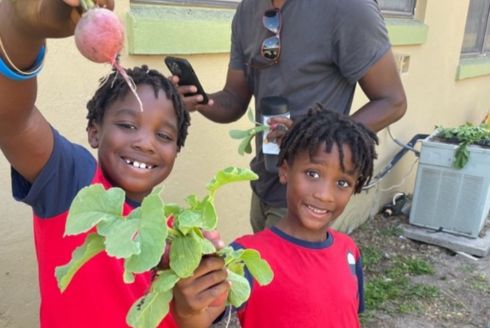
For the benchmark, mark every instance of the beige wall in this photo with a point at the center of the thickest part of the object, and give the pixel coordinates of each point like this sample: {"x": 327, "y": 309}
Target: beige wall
{"x": 433, "y": 94}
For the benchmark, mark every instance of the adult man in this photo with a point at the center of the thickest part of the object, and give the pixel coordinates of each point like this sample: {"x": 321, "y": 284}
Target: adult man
{"x": 308, "y": 52}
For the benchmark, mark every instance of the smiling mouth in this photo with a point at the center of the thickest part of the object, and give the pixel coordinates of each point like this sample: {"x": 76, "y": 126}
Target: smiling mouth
{"x": 317, "y": 210}
{"x": 139, "y": 165}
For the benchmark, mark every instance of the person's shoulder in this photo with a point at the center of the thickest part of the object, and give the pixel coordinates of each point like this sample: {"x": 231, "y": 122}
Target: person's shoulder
{"x": 341, "y": 237}
{"x": 254, "y": 240}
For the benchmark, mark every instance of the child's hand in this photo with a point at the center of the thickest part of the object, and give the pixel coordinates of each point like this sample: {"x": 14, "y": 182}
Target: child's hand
{"x": 279, "y": 126}
{"x": 200, "y": 299}
{"x": 49, "y": 18}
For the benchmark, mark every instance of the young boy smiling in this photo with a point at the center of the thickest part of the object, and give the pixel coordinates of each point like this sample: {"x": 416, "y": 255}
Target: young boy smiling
{"x": 136, "y": 151}
{"x": 318, "y": 282}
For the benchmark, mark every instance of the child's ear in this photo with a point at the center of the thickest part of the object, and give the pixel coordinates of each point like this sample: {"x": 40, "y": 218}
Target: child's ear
{"x": 283, "y": 172}
{"x": 93, "y": 135}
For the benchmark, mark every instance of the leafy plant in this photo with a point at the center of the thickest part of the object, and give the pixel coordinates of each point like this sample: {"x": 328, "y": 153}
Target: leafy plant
{"x": 464, "y": 136}
{"x": 247, "y": 135}
{"x": 140, "y": 239}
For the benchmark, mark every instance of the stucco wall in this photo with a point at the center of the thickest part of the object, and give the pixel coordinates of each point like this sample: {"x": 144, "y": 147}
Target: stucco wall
{"x": 434, "y": 97}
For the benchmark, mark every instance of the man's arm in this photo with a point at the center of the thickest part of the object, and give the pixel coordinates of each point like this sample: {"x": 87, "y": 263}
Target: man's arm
{"x": 387, "y": 100}
{"x": 225, "y": 106}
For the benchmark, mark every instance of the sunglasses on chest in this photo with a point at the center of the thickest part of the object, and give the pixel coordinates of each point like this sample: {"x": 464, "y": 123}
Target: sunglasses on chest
{"x": 270, "y": 48}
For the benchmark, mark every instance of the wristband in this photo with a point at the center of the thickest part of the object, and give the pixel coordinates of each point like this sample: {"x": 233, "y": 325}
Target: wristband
{"x": 6, "y": 71}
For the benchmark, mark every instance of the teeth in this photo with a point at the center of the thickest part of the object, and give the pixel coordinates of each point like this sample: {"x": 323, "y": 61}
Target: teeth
{"x": 316, "y": 210}
{"x": 138, "y": 164}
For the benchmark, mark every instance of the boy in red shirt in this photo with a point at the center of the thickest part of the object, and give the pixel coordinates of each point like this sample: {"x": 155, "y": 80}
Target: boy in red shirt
{"x": 136, "y": 152}
{"x": 325, "y": 158}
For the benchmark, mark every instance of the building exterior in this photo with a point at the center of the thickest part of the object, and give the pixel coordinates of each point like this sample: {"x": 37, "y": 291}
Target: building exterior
{"x": 442, "y": 61}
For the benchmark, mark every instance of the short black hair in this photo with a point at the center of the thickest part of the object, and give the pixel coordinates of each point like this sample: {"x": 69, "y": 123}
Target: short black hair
{"x": 114, "y": 87}
{"x": 322, "y": 126}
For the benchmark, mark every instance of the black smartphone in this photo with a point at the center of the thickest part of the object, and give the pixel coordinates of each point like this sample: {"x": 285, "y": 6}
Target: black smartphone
{"x": 183, "y": 69}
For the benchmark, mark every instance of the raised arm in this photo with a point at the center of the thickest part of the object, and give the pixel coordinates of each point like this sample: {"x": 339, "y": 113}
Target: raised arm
{"x": 384, "y": 89}
{"x": 25, "y": 136}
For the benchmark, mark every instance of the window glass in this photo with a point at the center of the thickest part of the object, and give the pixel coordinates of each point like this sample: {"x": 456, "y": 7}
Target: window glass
{"x": 477, "y": 28}
{"x": 403, "y": 7}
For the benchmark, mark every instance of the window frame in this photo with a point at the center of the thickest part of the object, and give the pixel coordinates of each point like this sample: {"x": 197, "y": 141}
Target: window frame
{"x": 482, "y": 51}
{"x": 399, "y": 13}
{"x": 234, "y": 4}
{"x": 194, "y": 3}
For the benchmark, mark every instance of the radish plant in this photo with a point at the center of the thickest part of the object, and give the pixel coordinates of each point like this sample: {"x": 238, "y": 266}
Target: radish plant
{"x": 140, "y": 239}
{"x": 247, "y": 135}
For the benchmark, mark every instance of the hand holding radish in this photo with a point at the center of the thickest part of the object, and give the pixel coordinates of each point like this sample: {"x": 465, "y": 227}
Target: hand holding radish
{"x": 49, "y": 18}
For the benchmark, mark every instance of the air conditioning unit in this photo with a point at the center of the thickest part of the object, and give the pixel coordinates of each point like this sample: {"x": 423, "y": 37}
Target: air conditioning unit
{"x": 448, "y": 199}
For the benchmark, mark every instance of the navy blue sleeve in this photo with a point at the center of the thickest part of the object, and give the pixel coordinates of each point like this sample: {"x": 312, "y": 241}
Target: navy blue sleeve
{"x": 70, "y": 168}
{"x": 360, "y": 283}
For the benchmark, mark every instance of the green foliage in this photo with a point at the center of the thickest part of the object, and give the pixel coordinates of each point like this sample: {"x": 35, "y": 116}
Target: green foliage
{"x": 247, "y": 135}
{"x": 464, "y": 136}
{"x": 393, "y": 289}
{"x": 140, "y": 239}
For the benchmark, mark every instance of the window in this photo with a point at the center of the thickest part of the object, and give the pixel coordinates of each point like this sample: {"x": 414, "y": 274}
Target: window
{"x": 397, "y": 7}
{"x": 390, "y": 7}
{"x": 476, "y": 40}
{"x": 199, "y": 3}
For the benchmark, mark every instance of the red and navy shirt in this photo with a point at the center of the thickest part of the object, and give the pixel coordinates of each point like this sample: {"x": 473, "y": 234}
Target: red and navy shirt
{"x": 97, "y": 295}
{"x": 315, "y": 284}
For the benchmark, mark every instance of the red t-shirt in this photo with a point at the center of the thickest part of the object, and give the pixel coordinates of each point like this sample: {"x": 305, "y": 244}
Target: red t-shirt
{"x": 315, "y": 284}
{"x": 97, "y": 295}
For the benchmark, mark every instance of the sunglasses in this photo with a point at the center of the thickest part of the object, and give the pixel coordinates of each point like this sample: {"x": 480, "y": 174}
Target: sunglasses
{"x": 271, "y": 46}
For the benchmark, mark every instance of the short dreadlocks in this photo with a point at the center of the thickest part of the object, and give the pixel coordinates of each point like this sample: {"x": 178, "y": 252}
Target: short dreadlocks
{"x": 325, "y": 127}
{"x": 115, "y": 87}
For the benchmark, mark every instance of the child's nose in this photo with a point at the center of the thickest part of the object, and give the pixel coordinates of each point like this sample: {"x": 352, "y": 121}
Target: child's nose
{"x": 325, "y": 192}
{"x": 144, "y": 141}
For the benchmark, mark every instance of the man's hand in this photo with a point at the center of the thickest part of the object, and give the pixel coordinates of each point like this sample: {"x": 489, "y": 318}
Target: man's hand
{"x": 279, "y": 126}
{"x": 191, "y": 102}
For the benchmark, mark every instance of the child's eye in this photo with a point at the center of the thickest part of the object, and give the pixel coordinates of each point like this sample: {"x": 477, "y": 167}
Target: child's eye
{"x": 312, "y": 174}
{"x": 128, "y": 126}
{"x": 343, "y": 184}
{"x": 164, "y": 137}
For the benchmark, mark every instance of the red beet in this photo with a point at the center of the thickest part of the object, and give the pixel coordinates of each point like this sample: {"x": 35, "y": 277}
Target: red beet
{"x": 99, "y": 35}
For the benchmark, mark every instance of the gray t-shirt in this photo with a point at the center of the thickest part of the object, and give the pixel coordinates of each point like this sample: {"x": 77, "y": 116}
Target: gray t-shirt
{"x": 326, "y": 47}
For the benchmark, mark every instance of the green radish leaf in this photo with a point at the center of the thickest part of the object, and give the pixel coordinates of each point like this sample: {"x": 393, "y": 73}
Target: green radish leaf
{"x": 92, "y": 205}
{"x": 209, "y": 216}
{"x": 119, "y": 242}
{"x": 151, "y": 237}
{"x": 238, "y": 134}
{"x": 250, "y": 115}
{"x": 185, "y": 254}
{"x": 164, "y": 281}
{"x": 193, "y": 201}
{"x": 128, "y": 277}
{"x": 149, "y": 310}
{"x": 245, "y": 146}
{"x": 93, "y": 245}
{"x": 172, "y": 209}
{"x": 258, "y": 267}
{"x": 228, "y": 175}
{"x": 207, "y": 247}
{"x": 258, "y": 129}
{"x": 187, "y": 220}
{"x": 240, "y": 289}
